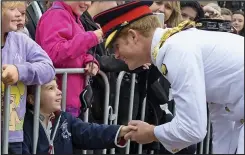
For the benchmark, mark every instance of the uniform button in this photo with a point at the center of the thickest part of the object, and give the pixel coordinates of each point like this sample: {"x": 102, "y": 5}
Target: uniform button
{"x": 175, "y": 150}
{"x": 242, "y": 121}
{"x": 227, "y": 109}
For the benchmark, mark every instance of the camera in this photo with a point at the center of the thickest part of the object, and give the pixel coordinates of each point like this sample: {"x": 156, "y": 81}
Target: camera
{"x": 214, "y": 25}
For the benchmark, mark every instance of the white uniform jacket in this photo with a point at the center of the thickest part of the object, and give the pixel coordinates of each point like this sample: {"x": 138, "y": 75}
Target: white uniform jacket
{"x": 202, "y": 66}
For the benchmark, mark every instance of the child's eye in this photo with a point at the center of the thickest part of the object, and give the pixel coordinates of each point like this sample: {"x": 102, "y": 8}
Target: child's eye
{"x": 12, "y": 8}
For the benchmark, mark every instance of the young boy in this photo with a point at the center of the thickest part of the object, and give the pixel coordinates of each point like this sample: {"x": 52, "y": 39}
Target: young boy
{"x": 23, "y": 63}
{"x": 60, "y": 132}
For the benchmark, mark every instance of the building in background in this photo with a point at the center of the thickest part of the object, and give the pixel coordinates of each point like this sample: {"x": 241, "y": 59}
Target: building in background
{"x": 232, "y": 5}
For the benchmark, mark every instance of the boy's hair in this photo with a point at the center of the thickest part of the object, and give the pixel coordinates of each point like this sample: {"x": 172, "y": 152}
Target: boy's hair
{"x": 144, "y": 26}
{"x": 32, "y": 88}
{"x": 225, "y": 11}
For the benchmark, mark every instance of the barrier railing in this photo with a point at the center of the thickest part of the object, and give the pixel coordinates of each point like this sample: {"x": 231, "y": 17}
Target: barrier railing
{"x": 110, "y": 113}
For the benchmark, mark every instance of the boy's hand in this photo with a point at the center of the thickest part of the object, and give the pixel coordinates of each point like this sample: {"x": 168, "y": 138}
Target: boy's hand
{"x": 126, "y": 129}
{"x": 10, "y": 74}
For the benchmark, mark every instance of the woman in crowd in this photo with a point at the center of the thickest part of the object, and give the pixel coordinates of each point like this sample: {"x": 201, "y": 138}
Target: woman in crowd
{"x": 238, "y": 22}
{"x": 62, "y": 36}
{"x": 171, "y": 10}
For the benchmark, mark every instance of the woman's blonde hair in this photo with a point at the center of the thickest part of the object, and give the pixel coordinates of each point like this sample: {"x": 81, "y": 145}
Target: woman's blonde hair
{"x": 144, "y": 26}
{"x": 175, "y": 18}
{"x": 12, "y": 4}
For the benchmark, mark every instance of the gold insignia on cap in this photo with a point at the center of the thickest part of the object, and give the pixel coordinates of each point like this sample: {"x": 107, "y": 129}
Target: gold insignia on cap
{"x": 125, "y": 23}
{"x": 164, "y": 69}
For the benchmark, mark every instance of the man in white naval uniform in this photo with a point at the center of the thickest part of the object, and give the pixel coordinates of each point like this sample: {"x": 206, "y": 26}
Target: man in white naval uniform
{"x": 201, "y": 66}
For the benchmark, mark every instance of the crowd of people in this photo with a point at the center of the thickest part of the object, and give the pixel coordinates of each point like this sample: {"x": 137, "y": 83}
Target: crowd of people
{"x": 67, "y": 36}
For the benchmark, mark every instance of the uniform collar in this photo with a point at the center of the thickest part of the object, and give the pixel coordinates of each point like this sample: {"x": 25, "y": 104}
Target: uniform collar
{"x": 159, "y": 32}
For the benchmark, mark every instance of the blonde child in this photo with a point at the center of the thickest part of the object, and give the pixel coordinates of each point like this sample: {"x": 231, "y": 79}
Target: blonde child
{"x": 23, "y": 63}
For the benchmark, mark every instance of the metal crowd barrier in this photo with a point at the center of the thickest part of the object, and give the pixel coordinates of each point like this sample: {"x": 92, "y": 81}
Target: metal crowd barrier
{"x": 110, "y": 113}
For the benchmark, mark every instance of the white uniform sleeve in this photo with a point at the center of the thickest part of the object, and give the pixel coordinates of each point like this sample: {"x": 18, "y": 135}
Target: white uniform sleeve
{"x": 186, "y": 75}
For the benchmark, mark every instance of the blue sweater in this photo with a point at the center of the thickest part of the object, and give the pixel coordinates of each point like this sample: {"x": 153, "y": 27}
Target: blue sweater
{"x": 71, "y": 133}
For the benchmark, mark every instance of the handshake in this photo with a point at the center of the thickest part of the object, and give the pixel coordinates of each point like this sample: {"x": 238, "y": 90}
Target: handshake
{"x": 138, "y": 131}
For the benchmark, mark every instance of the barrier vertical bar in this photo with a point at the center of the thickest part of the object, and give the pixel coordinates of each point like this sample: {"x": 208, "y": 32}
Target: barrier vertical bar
{"x": 6, "y": 119}
{"x": 85, "y": 115}
{"x": 201, "y": 148}
{"x": 87, "y": 111}
{"x": 106, "y": 101}
{"x": 116, "y": 104}
{"x": 142, "y": 118}
{"x": 36, "y": 119}
{"x": 131, "y": 102}
{"x": 64, "y": 90}
{"x": 107, "y": 96}
{"x": 208, "y": 135}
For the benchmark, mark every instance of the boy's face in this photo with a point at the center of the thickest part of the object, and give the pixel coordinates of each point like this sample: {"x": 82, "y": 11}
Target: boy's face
{"x": 10, "y": 19}
{"x": 50, "y": 97}
{"x": 22, "y": 19}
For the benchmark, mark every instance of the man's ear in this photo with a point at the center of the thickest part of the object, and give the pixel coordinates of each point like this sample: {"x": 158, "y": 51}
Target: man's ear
{"x": 132, "y": 34}
{"x": 30, "y": 99}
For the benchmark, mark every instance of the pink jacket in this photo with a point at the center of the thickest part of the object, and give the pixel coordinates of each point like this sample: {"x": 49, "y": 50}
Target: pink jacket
{"x": 63, "y": 37}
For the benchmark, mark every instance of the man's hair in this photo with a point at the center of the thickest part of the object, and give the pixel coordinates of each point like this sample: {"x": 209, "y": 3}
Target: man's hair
{"x": 144, "y": 26}
{"x": 225, "y": 11}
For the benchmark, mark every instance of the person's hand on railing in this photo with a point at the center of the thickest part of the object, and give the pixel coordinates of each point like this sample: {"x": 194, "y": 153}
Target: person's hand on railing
{"x": 91, "y": 68}
{"x": 10, "y": 74}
